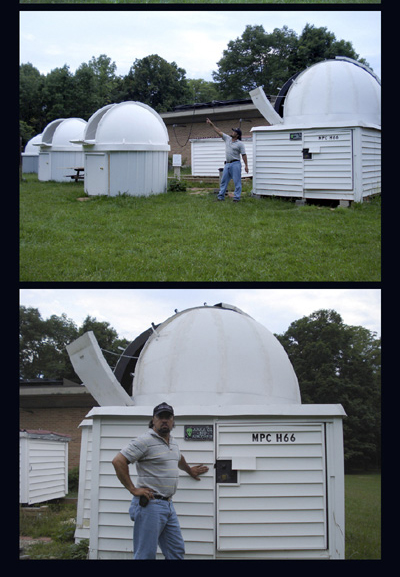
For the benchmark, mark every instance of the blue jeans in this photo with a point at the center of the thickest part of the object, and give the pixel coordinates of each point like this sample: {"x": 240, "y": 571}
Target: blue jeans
{"x": 156, "y": 524}
{"x": 232, "y": 170}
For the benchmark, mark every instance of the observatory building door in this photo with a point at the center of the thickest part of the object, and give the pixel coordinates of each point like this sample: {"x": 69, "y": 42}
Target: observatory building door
{"x": 328, "y": 160}
{"x": 96, "y": 173}
{"x": 271, "y": 486}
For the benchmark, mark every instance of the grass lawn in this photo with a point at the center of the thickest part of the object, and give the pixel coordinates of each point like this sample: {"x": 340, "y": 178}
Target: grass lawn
{"x": 363, "y": 516}
{"x": 181, "y": 236}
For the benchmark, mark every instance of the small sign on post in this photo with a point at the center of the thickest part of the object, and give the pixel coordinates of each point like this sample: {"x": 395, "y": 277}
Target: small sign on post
{"x": 177, "y": 163}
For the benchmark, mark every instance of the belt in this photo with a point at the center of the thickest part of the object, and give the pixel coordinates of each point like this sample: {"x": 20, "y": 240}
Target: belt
{"x": 161, "y": 497}
{"x": 230, "y": 161}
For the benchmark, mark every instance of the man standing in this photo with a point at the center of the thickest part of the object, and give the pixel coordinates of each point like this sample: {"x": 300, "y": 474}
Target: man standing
{"x": 234, "y": 147}
{"x": 157, "y": 457}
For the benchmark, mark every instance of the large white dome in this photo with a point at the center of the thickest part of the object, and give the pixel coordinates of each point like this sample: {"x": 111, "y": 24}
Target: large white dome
{"x": 127, "y": 126}
{"x": 214, "y": 356}
{"x": 334, "y": 91}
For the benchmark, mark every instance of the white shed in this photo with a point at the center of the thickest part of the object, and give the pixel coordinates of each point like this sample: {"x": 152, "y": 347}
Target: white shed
{"x": 275, "y": 485}
{"x": 126, "y": 151}
{"x": 58, "y": 155}
{"x": 43, "y": 466}
{"x": 208, "y": 156}
{"x": 30, "y": 156}
{"x": 327, "y": 145}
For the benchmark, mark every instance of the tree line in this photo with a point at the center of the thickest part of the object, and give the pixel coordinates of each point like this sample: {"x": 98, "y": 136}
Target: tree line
{"x": 257, "y": 58}
{"x": 334, "y": 363}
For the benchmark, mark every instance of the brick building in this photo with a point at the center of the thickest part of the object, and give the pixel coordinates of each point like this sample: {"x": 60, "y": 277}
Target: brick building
{"x": 57, "y": 406}
{"x": 189, "y": 121}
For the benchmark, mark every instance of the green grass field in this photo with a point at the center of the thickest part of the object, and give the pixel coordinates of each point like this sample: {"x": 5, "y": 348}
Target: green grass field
{"x": 181, "y": 236}
{"x": 363, "y": 516}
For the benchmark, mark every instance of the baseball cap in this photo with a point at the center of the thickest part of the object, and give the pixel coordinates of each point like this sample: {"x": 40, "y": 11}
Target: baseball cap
{"x": 163, "y": 408}
{"x": 239, "y": 132}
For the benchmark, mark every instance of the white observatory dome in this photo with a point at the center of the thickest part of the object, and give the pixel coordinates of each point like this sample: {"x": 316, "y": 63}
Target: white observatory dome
{"x": 31, "y": 147}
{"x": 334, "y": 91}
{"x": 59, "y": 133}
{"x": 209, "y": 356}
{"x": 127, "y": 126}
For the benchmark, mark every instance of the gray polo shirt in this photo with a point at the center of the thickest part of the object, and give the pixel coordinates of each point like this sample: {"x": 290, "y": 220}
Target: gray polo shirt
{"x": 233, "y": 150}
{"x": 156, "y": 462}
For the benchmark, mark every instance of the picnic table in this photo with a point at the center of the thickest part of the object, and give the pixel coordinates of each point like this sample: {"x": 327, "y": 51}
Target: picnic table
{"x": 77, "y": 176}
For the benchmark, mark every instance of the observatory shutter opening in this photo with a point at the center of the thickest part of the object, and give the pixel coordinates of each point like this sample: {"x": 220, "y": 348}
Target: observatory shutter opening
{"x": 277, "y": 500}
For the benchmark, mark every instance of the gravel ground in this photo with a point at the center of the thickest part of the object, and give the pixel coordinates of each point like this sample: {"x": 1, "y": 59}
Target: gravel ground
{"x": 26, "y": 542}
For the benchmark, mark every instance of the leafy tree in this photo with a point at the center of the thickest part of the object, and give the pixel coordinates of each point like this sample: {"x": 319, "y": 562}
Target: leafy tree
{"x": 87, "y": 99}
{"x": 156, "y": 82}
{"x": 203, "y": 90}
{"x": 317, "y": 44}
{"x": 31, "y": 84}
{"x": 255, "y": 59}
{"x": 43, "y": 343}
{"x": 336, "y": 363}
{"x": 106, "y": 79}
{"x": 259, "y": 58}
{"x": 59, "y": 94}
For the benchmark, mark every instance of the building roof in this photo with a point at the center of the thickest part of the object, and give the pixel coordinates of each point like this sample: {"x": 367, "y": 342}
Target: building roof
{"x": 35, "y": 393}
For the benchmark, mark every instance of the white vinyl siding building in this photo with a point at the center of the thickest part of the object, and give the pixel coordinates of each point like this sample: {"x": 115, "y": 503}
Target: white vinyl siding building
{"x": 208, "y": 156}
{"x": 274, "y": 488}
{"x": 327, "y": 144}
{"x": 341, "y": 164}
{"x": 43, "y": 466}
{"x": 286, "y": 500}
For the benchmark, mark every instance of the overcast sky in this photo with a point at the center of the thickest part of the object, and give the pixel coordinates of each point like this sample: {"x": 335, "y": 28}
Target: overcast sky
{"x": 195, "y": 40}
{"x": 131, "y": 311}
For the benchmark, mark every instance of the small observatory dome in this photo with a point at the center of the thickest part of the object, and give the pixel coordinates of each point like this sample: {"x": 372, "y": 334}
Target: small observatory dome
{"x": 31, "y": 147}
{"x": 208, "y": 356}
{"x": 126, "y": 151}
{"x": 127, "y": 126}
{"x": 59, "y": 134}
{"x": 30, "y": 156}
{"x": 334, "y": 91}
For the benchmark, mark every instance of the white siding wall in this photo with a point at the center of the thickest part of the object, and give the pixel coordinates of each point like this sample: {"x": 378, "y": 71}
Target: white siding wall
{"x": 371, "y": 162}
{"x": 208, "y": 156}
{"x": 85, "y": 477}
{"x": 331, "y": 165}
{"x": 63, "y": 163}
{"x": 278, "y": 164}
{"x": 280, "y": 503}
{"x": 30, "y": 163}
{"x": 194, "y": 500}
{"x": 138, "y": 173}
{"x": 277, "y": 509}
{"x": 345, "y": 163}
{"x": 43, "y": 470}
{"x": 111, "y": 530}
